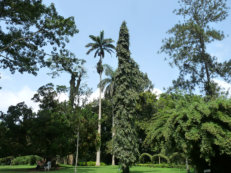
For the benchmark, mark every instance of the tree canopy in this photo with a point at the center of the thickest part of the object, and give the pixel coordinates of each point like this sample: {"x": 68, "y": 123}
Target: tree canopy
{"x": 186, "y": 47}
{"x": 194, "y": 126}
{"x": 28, "y": 27}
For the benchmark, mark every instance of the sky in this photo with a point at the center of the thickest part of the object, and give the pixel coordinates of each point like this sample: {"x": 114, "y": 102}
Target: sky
{"x": 147, "y": 21}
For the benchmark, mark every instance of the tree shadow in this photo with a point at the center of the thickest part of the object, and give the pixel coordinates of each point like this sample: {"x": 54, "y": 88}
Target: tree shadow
{"x": 144, "y": 171}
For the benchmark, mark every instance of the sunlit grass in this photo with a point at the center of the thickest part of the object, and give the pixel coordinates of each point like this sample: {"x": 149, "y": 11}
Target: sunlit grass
{"x": 89, "y": 169}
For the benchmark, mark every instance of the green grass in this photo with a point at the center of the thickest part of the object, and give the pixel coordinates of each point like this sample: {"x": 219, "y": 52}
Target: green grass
{"x": 89, "y": 169}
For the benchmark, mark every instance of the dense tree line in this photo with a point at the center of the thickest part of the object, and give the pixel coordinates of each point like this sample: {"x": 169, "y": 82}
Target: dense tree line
{"x": 130, "y": 124}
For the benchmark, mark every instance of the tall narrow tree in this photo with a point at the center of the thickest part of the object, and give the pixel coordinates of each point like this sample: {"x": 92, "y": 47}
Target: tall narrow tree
{"x": 126, "y": 81}
{"x": 108, "y": 86}
{"x": 100, "y": 45}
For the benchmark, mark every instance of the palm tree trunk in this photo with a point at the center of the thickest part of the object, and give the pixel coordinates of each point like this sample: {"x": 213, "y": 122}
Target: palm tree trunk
{"x": 77, "y": 151}
{"x": 99, "y": 124}
{"x": 113, "y": 134}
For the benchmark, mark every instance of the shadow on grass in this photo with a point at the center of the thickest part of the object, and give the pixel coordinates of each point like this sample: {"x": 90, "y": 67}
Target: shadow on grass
{"x": 18, "y": 170}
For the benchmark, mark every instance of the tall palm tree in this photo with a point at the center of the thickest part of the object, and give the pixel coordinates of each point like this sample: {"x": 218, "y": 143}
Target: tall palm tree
{"x": 108, "y": 86}
{"x": 100, "y": 45}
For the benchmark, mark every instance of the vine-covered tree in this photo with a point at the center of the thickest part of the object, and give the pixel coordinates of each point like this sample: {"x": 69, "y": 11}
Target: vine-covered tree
{"x": 100, "y": 45}
{"x": 27, "y": 27}
{"x": 126, "y": 92}
{"x": 186, "y": 46}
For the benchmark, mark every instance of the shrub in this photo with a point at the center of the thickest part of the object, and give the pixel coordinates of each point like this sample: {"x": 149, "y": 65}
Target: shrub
{"x": 165, "y": 165}
{"x": 82, "y": 163}
{"x": 90, "y": 163}
{"x": 26, "y": 160}
{"x": 6, "y": 160}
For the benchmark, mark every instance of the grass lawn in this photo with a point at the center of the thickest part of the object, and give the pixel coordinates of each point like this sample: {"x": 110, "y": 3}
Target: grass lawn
{"x": 88, "y": 169}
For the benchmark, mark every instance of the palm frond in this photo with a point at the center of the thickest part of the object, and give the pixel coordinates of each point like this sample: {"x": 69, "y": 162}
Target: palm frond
{"x": 108, "y": 41}
{"x": 90, "y": 45}
{"x": 97, "y": 52}
{"x": 94, "y": 38}
{"x": 90, "y": 50}
{"x": 102, "y": 36}
{"x": 109, "y": 70}
{"x": 100, "y": 45}
{"x": 104, "y": 83}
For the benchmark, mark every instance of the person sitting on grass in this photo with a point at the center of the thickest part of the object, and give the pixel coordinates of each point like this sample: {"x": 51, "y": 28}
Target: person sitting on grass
{"x": 40, "y": 164}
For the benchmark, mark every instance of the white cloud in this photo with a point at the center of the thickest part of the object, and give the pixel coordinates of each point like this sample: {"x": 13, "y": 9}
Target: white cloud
{"x": 224, "y": 85}
{"x": 3, "y": 76}
{"x": 220, "y": 50}
{"x": 157, "y": 91}
{"x": 9, "y": 98}
{"x": 63, "y": 97}
{"x": 95, "y": 96}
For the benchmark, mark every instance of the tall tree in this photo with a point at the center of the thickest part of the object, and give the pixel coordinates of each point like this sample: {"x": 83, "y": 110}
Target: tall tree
{"x": 27, "y": 27}
{"x": 70, "y": 64}
{"x": 100, "y": 45}
{"x": 108, "y": 86}
{"x": 187, "y": 45}
{"x": 67, "y": 62}
{"x": 51, "y": 129}
{"x": 125, "y": 141}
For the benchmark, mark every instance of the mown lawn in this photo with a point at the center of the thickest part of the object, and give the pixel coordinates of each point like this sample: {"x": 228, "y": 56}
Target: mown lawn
{"x": 88, "y": 169}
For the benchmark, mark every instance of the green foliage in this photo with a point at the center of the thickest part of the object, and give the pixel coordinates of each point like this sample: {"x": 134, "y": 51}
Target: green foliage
{"x": 164, "y": 165}
{"x": 190, "y": 125}
{"x": 146, "y": 106}
{"x": 152, "y": 158}
{"x": 126, "y": 92}
{"x": 186, "y": 46}
{"x": 108, "y": 84}
{"x": 88, "y": 124}
{"x": 100, "y": 45}
{"x": 145, "y": 155}
{"x": 28, "y": 27}
{"x": 6, "y": 160}
{"x": 14, "y": 125}
{"x": 26, "y": 160}
{"x": 90, "y": 163}
{"x": 160, "y": 156}
{"x": 177, "y": 158}
{"x": 67, "y": 62}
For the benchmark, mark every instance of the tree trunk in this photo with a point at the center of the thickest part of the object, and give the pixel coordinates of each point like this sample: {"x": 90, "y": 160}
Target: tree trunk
{"x": 99, "y": 124}
{"x": 187, "y": 166}
{"x": 113, "y": 134}
{"x": 125, "y": 169}
{"x": 159, "y": 159}
{"x": 77, "y": 152}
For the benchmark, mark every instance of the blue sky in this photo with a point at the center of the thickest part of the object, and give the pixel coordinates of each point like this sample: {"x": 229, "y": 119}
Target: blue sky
{"x": 147, "y": 21}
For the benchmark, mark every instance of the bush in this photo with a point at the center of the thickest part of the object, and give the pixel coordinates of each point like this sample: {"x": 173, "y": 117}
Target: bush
{"x": 26, "y": 160}
{"x": 90, "y": 163}
{"x": 82, "y": 163}
{"x": 6, "y": 160}
{"x": 164, "y": 165}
